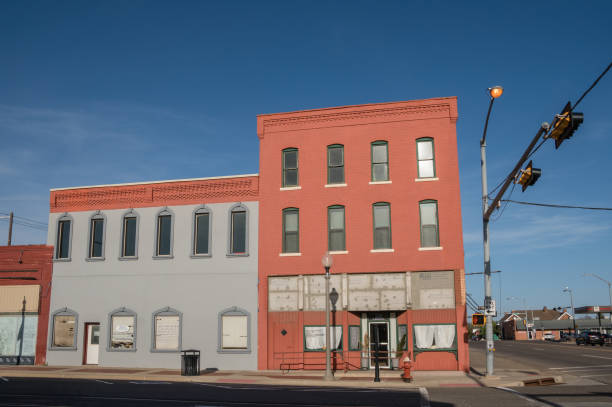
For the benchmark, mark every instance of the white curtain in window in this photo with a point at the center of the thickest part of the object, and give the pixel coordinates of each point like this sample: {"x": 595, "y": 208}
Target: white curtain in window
{"x": 444, "y": 336}
{"x": 424, "y": 335}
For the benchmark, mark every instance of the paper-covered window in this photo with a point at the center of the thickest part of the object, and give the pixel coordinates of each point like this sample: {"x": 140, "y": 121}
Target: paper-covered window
{"x": 435, "y": 337}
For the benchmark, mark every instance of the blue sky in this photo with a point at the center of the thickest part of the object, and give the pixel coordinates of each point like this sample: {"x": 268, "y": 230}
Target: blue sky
{"x": 108, "y": 92}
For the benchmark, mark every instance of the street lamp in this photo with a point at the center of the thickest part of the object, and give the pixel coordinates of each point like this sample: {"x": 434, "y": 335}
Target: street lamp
{"x": 609, "y": 288}
{"x": 327, "y": 262}
{"x": 568, "y": 290}
{"x": 494, "y": 93}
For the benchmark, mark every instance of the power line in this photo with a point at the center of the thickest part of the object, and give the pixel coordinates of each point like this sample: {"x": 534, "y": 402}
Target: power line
{"x": 557, "y": 205}
{"x": 592, "y": 86}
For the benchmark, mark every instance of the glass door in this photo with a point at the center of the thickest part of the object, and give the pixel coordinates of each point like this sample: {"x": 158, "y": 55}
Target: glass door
{"x": 379, "y": 332}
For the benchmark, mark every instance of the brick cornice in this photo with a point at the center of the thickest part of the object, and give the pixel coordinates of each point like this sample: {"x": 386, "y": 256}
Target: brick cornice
{"x": 155, "y": 194}
{"x": 354, "y": 115}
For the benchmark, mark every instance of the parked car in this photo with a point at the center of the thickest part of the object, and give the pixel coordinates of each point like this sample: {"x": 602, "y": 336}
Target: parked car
{"x": 590, "y": 338}
{"x": 549, "y": 336}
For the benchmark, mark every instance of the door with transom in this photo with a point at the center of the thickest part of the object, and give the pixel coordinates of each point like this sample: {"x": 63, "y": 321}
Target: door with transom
{"x": 378, "y": 331}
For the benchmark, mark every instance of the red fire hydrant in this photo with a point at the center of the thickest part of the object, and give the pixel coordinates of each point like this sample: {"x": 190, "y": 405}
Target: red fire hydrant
{"x": 407, "y": 377}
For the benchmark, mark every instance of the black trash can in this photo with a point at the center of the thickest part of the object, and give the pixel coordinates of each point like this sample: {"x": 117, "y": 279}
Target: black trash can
{"x": 190, "y": 363}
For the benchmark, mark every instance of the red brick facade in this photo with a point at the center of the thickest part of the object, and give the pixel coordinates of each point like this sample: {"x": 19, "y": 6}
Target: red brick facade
{"x": 31, "y": 265}
{"x": 356, "y": 127}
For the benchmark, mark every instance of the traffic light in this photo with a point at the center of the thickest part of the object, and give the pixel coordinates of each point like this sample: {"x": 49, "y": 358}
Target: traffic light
{"x": 528, "y": 176}
{"x": 478, "y": 319}
{"x": 565, "y": 124}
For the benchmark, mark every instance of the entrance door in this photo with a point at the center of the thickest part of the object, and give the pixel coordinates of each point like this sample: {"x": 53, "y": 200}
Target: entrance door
{"x": 92, "y": 343}
{"x": 379, "y": 330}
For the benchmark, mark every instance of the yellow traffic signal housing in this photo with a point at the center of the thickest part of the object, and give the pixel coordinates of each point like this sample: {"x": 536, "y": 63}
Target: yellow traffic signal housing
{"x": 565, "y": 124}
{"x": 478, "y": 319}
{"x": 528, "y": 176}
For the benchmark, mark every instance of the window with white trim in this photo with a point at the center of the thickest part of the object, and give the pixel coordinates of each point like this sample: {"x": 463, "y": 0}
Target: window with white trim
{"x": 290, "y": 167}
{"x": 336, "y": 233}
{"x": 335, "y": 164}
{"x": 291, "y": 230}
{"x": 163, "y": 241}
{"x": 238, "y": 230}
{"x": 382, "y": 225}
{"x": 425, "y": 158}
{"x": 380, "y": 161}
{"x": 201, "y": 232}
{"x": 96, "y": 236}
{"x": 428, "y": 211}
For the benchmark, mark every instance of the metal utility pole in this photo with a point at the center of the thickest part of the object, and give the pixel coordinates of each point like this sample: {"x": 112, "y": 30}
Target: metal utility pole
{"x": 609, "y": 288}
{"x": 568, "y": 290}
{"x": 10, "y": 231}
{"x": 327, "y": 263}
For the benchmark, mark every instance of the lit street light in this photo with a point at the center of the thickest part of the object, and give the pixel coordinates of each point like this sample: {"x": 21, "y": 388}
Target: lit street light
{"x": 494, "y": 93}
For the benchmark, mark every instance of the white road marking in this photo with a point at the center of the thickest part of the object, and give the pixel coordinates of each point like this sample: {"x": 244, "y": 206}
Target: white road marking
{"x": 577, "y": 367}
{"x": 523, "y": 396}
{"x": 102, "y": 381}
{"x": 594, "y": 356}
{"x": 596, "y": 375}
{"x": 145, "y": 382}
{"x": 4, "y": 379}
{"x": 424, "y": 397}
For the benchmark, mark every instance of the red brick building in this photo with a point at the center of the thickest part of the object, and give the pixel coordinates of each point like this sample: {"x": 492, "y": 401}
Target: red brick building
{"x": 378, "y": 186}
{"x": 25, "y": 291}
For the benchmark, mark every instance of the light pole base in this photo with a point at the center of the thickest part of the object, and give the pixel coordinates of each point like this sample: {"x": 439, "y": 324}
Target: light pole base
{"x": 329, "y": 376}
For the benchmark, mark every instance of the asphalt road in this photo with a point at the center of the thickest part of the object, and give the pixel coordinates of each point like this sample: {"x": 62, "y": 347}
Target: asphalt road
{"x": 577, "y": 364}
{"x": 588, "y": 370}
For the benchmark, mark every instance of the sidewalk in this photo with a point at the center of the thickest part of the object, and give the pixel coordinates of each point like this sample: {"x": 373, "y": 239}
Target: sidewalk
{"x": 359, "y": 378}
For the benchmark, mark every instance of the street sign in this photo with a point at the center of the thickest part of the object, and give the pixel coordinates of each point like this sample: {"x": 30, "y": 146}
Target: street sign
{"x": 595, "y": 308}
{"x": 490, "y": 308}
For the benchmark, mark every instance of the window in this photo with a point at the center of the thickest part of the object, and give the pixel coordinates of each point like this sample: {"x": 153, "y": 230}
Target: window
{"x": 64, "y": 330}
{"x": 291, "y": 230}
{"x": 238, "y": 230}
{"x": 167, "y": 330}
{"x": 382, "y": 225}
{"x": 62, "y": 246}
{"x": 201, "y": 232}
{"x": 290, "y": 167}
{"x": 335, "y": 164}
{"x": 354, "y": 337}
{"x": 435, "y": 337}
{"x": 314, "y": 338}
{"x": 122, "y": 322}
{"x": 429, "y": 223}
{"x": 402, "y": 337}
{"x": 425, "y": 158}
{"x": 335, "y": 228}
{"x": 129, "y": 235}
{"x": 234, "y": 331}
{"x": 96, "y": 237}
{"x": 380, "y": 161}
{"x": 163, "y": 241}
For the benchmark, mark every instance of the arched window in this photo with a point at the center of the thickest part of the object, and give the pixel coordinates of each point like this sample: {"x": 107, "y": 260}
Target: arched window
{"x": 335, "y": 164}
{"x": 167, "y": 332}
{"x": 63, "y": 243}
{"x": 95, "y": 246}
{"x": 122, "y": 330}
{"x": 430, "y": 234}
{"x": 202, "y": 232}
{"x": 425, "y": 158}
{"x": 64, "y": 327}
{"x": 164, "y": 234}
{"x": 381, "y": 212}
{"x": 234, "y": 331}
{"x": 336, "y": 232}
{"x": 291, "y": 230}
{"x": 129, "y": 235}
{"x": 290, "y": 167}
{"x": 238, "y": 233}
{"x": 380, "y": 161}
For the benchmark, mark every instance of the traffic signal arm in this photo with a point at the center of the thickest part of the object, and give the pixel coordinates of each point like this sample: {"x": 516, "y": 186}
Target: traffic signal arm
{"x": 543, "y": 128}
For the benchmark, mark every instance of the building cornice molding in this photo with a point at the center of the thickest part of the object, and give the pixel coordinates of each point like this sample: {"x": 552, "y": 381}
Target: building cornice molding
{"x": 355, "y": 115}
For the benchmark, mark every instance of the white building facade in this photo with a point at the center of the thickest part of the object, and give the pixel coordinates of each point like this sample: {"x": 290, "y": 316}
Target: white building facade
{"x": 145, "y": 271}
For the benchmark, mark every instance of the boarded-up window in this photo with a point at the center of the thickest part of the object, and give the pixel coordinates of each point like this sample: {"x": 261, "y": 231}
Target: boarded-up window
{"x": 234, "y": 332}
{"x": 167, "y": 328}
{"x": 433, "y": 290}
{"x": 64, "y": 328}
{"x": 123, "y": 329}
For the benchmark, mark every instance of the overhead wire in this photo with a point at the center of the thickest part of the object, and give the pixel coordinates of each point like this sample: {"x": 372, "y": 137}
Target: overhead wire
{"x": 592, "y": 208}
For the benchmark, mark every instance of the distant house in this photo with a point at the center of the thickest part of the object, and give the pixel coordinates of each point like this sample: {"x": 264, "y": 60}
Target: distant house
{"x": 530, "y": 324}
